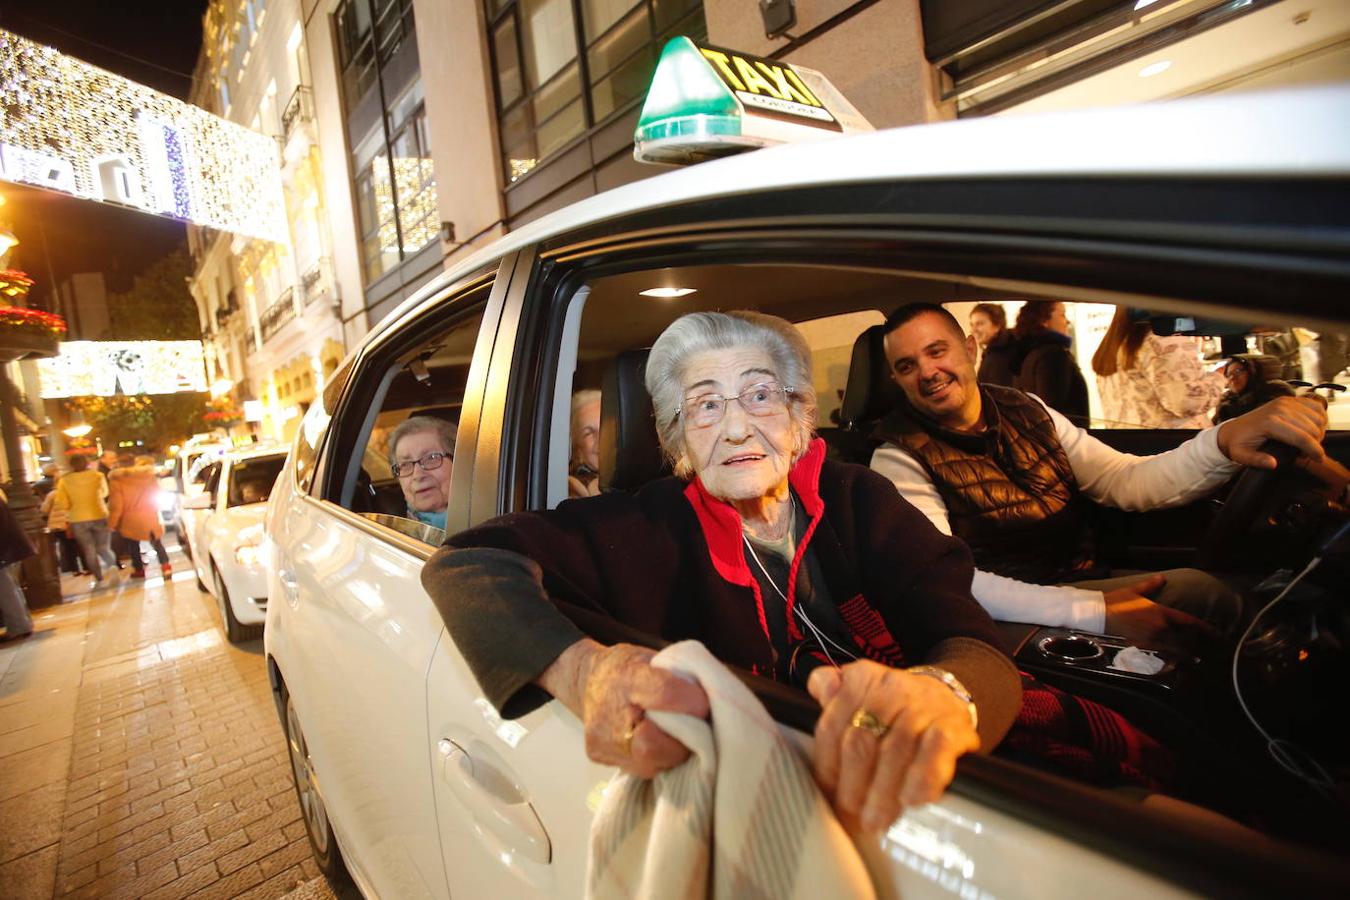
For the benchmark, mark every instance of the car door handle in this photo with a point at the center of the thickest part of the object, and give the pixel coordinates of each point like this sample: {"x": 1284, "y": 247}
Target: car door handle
{"x": 290, "y": 584}
{"x": 495, "y": 803}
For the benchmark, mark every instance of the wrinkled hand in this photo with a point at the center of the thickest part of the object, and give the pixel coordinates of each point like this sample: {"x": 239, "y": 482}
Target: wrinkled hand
{"x": 1300, "y": 422}
{"x": 620, "y": 686}
{"x": 869, "y": 779}
{"x": 1131, "y": 614}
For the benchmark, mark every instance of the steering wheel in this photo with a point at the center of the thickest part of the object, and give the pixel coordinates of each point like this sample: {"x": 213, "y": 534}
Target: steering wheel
{"x": 1249, "y": 496}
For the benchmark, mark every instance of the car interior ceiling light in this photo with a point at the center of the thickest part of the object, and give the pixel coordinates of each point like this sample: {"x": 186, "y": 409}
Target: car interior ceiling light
{"x": 1156, "y": 68}
{"x": 667, "y": 293}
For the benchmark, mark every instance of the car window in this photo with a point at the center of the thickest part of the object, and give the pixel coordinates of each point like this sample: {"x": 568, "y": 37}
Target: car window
{"x": 406, "y": 409}
{"x": 251, "y": 480}
{"x": 315, "y": 425}
{"x": 198, "y": 463}
{"x": 606, "y": 327}
{"x": 210, "y": 477}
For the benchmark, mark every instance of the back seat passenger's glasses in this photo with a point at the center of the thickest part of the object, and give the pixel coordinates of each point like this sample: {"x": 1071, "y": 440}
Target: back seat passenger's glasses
{"x": 765, "y": 399}
{"x": 430, "y": 461}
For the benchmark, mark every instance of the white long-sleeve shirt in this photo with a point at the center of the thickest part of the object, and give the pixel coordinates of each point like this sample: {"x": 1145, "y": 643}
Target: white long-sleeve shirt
{"x": 1105, "y": 475}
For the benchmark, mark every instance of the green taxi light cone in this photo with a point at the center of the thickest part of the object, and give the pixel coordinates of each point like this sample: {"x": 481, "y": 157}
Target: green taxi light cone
{"x": 686, "y": 98}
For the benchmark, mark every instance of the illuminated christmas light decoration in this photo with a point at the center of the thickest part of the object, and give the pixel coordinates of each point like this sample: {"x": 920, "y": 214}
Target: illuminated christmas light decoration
{"x": 415, "y": 182}
{"x": 71, "y": 127}
{"x": 107, "y": 368}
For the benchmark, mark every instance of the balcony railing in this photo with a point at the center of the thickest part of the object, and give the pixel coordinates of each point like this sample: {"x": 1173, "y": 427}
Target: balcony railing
{"x": 300, "y": 108}
{"x": 275, "y": 317}
{"x": 313, "y": 283}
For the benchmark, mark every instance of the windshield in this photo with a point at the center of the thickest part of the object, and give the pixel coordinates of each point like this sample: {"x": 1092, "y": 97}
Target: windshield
{"x": 251, "y": 480}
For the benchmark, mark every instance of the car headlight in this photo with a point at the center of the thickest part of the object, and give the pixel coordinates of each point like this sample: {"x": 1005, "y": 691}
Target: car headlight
{"x": 249, "y": 546}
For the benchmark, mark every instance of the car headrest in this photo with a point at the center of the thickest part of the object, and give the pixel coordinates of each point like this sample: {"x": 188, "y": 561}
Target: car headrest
{"x": 869, "y": 393}
{"x": 630, "y": 455}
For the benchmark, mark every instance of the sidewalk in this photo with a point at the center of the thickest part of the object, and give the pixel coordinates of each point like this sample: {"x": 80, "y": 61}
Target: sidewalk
{"x": 140, "y": 753}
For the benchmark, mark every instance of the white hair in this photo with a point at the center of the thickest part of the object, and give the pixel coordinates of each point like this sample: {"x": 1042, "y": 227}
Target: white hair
{"x": 580, "y": 400}
{"x": 413, "y": 424}
{"x": 703, "y": 331}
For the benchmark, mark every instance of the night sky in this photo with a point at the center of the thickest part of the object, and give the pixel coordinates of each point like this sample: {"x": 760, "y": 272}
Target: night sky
{"x": 154, "y": 42}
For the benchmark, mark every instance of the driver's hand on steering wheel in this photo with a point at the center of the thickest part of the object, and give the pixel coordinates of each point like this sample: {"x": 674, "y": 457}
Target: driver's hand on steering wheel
{"x": 1131, "y": 614}
{"x": 1300, "y": 422}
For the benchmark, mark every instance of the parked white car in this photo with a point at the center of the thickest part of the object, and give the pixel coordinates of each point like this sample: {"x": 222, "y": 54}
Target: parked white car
{"x": 189, "y": 470}
{"x": 227, "y": 536}
{"x": 1236, "y": 208}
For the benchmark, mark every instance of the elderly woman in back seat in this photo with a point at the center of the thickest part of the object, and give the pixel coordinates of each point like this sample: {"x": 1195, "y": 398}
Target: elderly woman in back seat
{"x": 421, "y": 454}
{"x": 583, "y": 469}
{"x": 783, "y": 563}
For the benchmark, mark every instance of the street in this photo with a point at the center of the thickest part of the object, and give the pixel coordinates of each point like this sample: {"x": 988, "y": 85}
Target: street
{"x": 141, "y": 755}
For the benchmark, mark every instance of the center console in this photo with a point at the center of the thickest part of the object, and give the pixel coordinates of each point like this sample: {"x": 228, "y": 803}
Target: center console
{"x": 1103, "y": 656}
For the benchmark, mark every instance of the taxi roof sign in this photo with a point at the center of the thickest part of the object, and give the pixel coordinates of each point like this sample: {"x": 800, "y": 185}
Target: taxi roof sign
{"x": 705, "y": 102}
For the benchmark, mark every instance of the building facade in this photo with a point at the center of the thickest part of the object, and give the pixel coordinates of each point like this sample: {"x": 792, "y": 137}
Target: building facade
{"x": 270, "y": 311}
{"x": 413, "y": 131}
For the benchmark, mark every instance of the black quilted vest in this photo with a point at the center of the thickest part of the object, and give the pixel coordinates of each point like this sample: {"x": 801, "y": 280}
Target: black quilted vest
{"x": 1010, "y": 492}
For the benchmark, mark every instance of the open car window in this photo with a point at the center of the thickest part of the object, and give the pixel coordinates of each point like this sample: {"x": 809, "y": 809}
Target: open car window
{"x": 610, "y": 326}
{"x": 251, "y": 480}
{"x": 411, "y": 419}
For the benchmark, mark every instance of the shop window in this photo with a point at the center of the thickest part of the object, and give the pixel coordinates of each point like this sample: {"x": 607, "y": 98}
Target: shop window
{"x": 554, "y": 80}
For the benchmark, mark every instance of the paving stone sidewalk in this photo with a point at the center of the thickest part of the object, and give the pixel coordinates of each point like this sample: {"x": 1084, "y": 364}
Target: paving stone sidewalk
{"x": 141, "y": 756}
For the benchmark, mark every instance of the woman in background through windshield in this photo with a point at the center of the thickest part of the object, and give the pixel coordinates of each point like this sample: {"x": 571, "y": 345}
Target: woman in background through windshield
{"x": 1148, "y": 381}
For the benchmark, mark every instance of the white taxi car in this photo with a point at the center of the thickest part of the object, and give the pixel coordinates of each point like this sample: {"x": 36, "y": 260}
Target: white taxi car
{"x": 1232, "y": 208}
{"x": 227, "y": 536}
{"x": 189, "y": 467}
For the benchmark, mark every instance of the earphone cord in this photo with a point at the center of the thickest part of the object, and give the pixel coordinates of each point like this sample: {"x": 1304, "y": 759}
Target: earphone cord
{"x": 821, "y": 638}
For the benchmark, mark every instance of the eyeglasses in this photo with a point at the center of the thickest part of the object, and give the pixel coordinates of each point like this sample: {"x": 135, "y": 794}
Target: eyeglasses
{"x": 429, "y": 462}
{"x": 706, "y": 410}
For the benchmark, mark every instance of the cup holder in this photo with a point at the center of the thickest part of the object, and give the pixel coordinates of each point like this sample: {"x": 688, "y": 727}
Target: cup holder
{"x": 1070, "y": 648}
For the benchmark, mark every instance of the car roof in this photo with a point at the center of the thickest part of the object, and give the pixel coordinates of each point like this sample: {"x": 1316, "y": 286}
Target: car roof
{"x": 1302, "y": 132}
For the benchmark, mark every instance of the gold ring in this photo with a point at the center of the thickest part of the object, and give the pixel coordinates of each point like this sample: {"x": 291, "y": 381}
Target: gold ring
{"x": 628, "y": 738}
{"x": 869, "y": 722}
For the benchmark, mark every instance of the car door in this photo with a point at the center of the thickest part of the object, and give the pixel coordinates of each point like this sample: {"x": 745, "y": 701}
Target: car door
{"x": 361, "y": 632}
{"x": 514, "y": 799}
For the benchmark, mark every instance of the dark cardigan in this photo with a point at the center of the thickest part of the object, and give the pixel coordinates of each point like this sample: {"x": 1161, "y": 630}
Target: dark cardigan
{"x": 1043, "y": 365}
{"x": 669, "y": 561}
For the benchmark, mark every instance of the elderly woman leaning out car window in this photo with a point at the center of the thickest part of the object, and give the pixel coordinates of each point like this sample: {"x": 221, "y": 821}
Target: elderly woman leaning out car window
{"x": 784, "y": 563}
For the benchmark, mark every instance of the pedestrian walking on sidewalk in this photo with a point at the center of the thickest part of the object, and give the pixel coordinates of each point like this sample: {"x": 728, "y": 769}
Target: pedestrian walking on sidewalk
{"x": 14, "y": 549}
{"x": 133, "y": 511}
{"x": 83, "y": 493}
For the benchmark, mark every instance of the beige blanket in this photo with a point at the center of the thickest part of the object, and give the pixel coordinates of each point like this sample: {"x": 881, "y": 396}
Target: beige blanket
{"x": 741, "y": 819}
